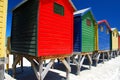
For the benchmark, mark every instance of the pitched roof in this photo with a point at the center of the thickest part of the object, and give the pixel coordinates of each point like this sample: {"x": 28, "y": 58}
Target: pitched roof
{"x": 82, "y": 12}
{"x": 104, "y": 21}
{"x": 72, "y": 4}
{"x": 113, "y": 29}
{"x": 119, "y": 33}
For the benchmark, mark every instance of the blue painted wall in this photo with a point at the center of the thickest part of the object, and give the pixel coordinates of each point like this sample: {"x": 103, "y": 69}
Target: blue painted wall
{"x": 77, "y": 34}
{"x": 103, "y": 37}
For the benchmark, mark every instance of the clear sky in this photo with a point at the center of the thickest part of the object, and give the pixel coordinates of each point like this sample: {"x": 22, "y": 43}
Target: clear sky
{"x": 102, "y": 9}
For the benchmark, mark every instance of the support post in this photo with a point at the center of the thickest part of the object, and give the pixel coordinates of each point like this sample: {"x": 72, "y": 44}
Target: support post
{"x": 103, "y": 56}
{"x": 1, "y": 71}
{"x": 40, "y": 69}
{"x": 82, "y": 60}
{"x": 97, "y": 59}
{"x": 22, "y": 64}
{"x": 16, "y": 60}
{"x": 66, "y": 63}
{"x": 90, "y": 60}
{"x": 78, "y": 66}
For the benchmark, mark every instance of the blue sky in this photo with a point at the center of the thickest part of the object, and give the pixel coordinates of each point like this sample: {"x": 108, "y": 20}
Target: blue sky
{"x": 102, "y": 9}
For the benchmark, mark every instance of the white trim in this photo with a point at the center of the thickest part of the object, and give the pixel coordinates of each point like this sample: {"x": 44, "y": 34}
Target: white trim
{"x": 27, "y": 0}
{"x": 73, "y": 5}
{"x": 113, "y": 29}
{"x": 81, "y": 11}
{"x": 19, "y": 4}
{"x": 119, "y": 33}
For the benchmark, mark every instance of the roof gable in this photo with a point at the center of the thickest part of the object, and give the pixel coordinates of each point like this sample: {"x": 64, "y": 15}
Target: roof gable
{"x": 83, "y": 12}
{"x": 24, "y": 1}
{"x": 114, "y": 29}
{"x": 119, "y": 33}
{"x": 104, "y": 21}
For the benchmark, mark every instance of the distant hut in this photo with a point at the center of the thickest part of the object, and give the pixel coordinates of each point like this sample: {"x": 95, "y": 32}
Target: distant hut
{"x": 114, "y": 39}
{"x": 84, "y": 36}
{"x": 119, "y": 41}
{"x": 84, "y": 31}
{"x": 104, "y": 32}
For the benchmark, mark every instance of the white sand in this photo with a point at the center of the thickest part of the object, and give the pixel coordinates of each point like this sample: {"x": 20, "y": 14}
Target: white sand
{"x": 110, "y": 70}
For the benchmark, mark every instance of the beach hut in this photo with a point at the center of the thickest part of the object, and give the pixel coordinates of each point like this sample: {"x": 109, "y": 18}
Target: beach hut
{"x": 103, "y": 40}
{"x": 104, "y": 32}
{"x": 119, "y": 41}
{"x": 114, "y": 42}
{"x": 3, "y": 19}
{"x": 84, "y": 35}
{"x": 114, "y": 39}
{"x": 43, "y": 29}
{"x": 84, "y": 31}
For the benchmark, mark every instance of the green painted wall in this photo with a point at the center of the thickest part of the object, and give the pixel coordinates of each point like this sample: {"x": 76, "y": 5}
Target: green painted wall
{"x": 88, "y": 34}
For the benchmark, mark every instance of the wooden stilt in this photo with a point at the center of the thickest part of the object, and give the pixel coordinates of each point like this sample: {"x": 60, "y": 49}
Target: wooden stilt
{"x": 16, "y": 60}
{"x": 108, "y": 55}
{"x": 78, "y": 66}
{"x": 97, "y": 59}
{"x": 22, "y": 64}
{"x": 81, "y": 62}
{"x": 103, "y": 56}
{"x": 68, "y": 71}
{"x": 90, "y": 60}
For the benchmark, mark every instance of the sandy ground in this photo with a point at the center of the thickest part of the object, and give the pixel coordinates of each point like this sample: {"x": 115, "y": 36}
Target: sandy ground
{"x": 110, "y": 70}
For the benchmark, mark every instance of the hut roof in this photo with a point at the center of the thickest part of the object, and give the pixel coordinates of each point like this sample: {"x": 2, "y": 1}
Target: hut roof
{"x": 27, "y": 0}
{"x": 84, "y": 11}
{"x": 105, "y": 21}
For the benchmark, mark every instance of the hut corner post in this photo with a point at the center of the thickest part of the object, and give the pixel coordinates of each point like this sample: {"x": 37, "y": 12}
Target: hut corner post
{"x": 3, "y": 61}
{"x": 16, "y": 60}
{"x": 67, "y": 65}
{"x": 77, "y": 62}
{"x": 97, "y": 57}
{"x": 1, "y": 69}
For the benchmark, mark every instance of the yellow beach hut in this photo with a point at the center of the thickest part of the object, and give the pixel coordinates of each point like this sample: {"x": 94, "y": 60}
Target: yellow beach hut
{"x": 114, "y": 39}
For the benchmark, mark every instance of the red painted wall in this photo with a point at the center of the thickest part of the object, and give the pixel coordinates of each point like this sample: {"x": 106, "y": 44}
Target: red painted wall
{"x": 119, "y": 42}
{"x": 55, "y": 32}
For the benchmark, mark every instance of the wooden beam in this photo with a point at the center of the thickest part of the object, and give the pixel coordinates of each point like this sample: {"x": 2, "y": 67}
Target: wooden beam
{"x": 78, "y": 66}
{"x": 82, "y": 60}
{"x": 16, "y": 60}
{"x": 66, "y": 64}
{"x": 97, "y": 59}
{"x": 34, "y": 67}
{"x": 90, "y": 60}
{"x": 47, "y": 68}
